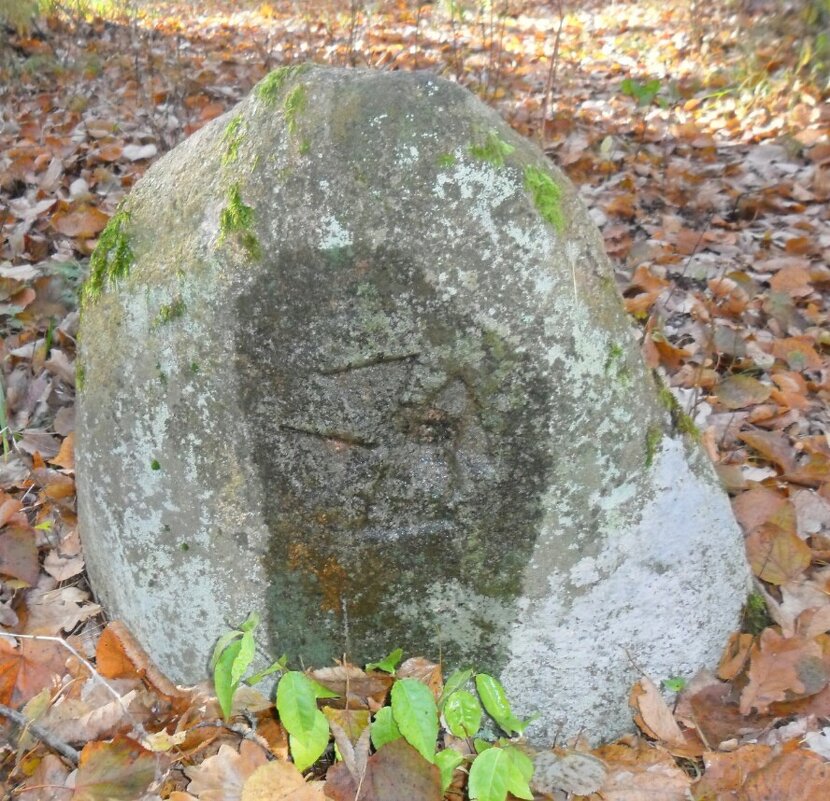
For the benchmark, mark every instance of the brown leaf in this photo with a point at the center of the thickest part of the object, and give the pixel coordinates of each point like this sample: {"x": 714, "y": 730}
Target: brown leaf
{"x": 222, "y": 777}
{"x": 775, "y": 555}
{"x": 652, "y": 714}
{"x": 773, "y": 446}
{"x": 425, "y": 671}
{"x": 795, "y": 776}
{"x": 18, "y": 554}
{"x": 28, "y": 668}
{"x": 726, "y": 773}
{"x": 782, "y": 669}
{"x": 762, "y": 505}
{"x": 640, "y": 773}
{"x": 280, "y": 781}
{"x": 739, "y": 391}
{"x": 120, "y": 770}
{"x": 735, "y": 656}
{"x": 52, "y": 611}
{"x": 355, "y": 688}
{"x": 83, "y": 223}
{"x": 397, "y": 772}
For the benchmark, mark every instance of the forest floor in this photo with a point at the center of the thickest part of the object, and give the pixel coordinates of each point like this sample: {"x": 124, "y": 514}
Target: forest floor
{"x": 699, "y": 136}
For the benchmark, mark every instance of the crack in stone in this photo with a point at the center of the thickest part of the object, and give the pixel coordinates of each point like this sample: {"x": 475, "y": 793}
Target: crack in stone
{"x": 372, "y": 361}
{"x": 337, "y": 437}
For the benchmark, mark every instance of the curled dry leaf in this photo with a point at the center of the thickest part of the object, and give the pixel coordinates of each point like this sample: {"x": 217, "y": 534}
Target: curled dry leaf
{"x": 120, "y": 770}
{"x": 425, "y": 671}
{"x": 653, "y": 715}
{"x": 726, "y": 772}
{"x": 222, "y": 776}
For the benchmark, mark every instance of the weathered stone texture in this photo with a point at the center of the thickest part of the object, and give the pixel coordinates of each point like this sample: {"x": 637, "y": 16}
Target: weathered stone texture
{"x": 368, "y": 374}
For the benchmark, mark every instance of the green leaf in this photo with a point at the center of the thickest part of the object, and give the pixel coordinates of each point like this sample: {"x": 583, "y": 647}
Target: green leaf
{"x": 384, "y": 728}
{"x": 280, "y": 666}
{"x": 224, "y": 641}
{"x": 447, "y": 761}
{"x": 494, "y": 698}
{"x": 415, "y": 712}
{"x": 297, "y": 703}
{"x": 251, "y": 622}
{"x": 674, "y": 685}
{"x": 497, "y": 771}
{"x": 243, "y": 658}
{"x": 455, "y": 682}
{"x": 481, "y": 745}
{"x": 488, "y": 776}
{"x": 462, "y": 712}
{"x": 521, "y": 769}
{"x": 308, "y": 747}
{"x": 223, "y": 676}
{"x": 389, "y": 663}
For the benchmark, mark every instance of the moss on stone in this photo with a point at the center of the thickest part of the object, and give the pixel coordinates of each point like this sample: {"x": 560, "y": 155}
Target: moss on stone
{"x": 653, "y": 437}
{"x": 446, "y": 160}
{"x": 80, "y": 374}
{"x": 681, "y": 421}
{"x": 269, "y": 88}
{"x": 547, "y": 196}
{"x": 238, "y": 219}
{"x": 233, "y": 139}
{"x": 169, "y": 311}
{"x": 491, "y": 149}
{"x": 755, "y": 615}
{"x": 305, "y": 147}
{"x": 295, "y": 103}
{"x": 111, "y": 259}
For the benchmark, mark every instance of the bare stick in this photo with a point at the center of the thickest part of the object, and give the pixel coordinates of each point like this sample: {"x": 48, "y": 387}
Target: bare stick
{"x": 88, "y": 665}
{"x": 47, "y": 738}
{"x": 554, "y": 62}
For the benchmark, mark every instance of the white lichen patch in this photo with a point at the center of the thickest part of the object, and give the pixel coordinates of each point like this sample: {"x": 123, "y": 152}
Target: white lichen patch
{"x": 333, "y": 234}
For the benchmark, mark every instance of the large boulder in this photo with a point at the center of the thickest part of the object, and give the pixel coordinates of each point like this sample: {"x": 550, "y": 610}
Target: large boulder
{"x": 353, "y": 357}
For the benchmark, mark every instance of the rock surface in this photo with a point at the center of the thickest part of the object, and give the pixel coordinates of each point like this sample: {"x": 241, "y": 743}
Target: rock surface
{"x": 353, "y": 358}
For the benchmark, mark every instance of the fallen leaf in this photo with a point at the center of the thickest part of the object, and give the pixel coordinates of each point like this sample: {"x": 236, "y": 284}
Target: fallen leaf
{"x": 773, "y": 446}
{"x": 83, "y": 223}
{"x": 18, "y": 554}
{"x": 280, "y": 781}
{"x": 739, "y": 391}
{"x": 782, "y": 669}
{"x": 725, "y": 774}
{"x": 425, "y": 671}
{"x": 396, "y": 772}
{"x": 66, "y": 454}
{"x": 775, "y": 555}
{"x": 570, "y": 771}
{"x": 794, "y": 776}
{"x": 119, "y": 655}
{"x": 120, "y": 770}
{"x": 26, "y": 669}
{"x": 222, "y": 776}
{"x": 653, "y": 715}
{"x": 139, "y": 152}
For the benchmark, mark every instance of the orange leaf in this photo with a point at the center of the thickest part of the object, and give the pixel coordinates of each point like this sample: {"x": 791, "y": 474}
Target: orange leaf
{"x": 797, "y": 352}
{"x": 726, "y": 773}
{"x": 66, "y": 455}
{"x": 782, "y": 669}
{"x": 83, "y": 223}
{"x": 27, "y": 669}
{"x": 777, "y": 556}
{"x": 119, "y": 656}
{"x": 795, "y": 776}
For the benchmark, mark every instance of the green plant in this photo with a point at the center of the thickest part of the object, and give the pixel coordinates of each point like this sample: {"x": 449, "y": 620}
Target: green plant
{"x": 491, "y": 149}
{"x": 547, "y": 196}
{"x": 237, "y": 218}
{"x": 496, "y": 769}
{"x": 644, "y": 93}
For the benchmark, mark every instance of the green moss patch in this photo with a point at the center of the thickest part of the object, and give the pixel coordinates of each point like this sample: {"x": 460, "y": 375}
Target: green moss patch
{"x": 269, "y": 88}
{"x": 237, "y": 219}
{"x": 295, "y": 103}
{"x": 681, "y": 421}
{"x": 492, "y": 149}
{"x": 446, "y": 160}
{"x": 547, "y": 196}
{"x": 169, "y": 311}
{"x": 234, "y": 131}
{"x": 654, "y": 435}
{"x": 111, "y": 259}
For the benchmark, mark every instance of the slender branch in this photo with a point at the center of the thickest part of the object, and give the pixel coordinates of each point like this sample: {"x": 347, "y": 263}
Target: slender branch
{"x": 47, "y": 738}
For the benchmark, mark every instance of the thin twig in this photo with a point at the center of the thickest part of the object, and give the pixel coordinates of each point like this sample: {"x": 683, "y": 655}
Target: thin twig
{"x": 47, "y": 738}
{"x": 245, "y": 732}
{"x": 88, "y": 665}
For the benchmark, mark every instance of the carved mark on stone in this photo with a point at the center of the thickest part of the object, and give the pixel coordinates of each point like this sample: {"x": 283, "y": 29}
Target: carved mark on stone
{"x": 372, "y": 361}
{"x": 335, "y": 437}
